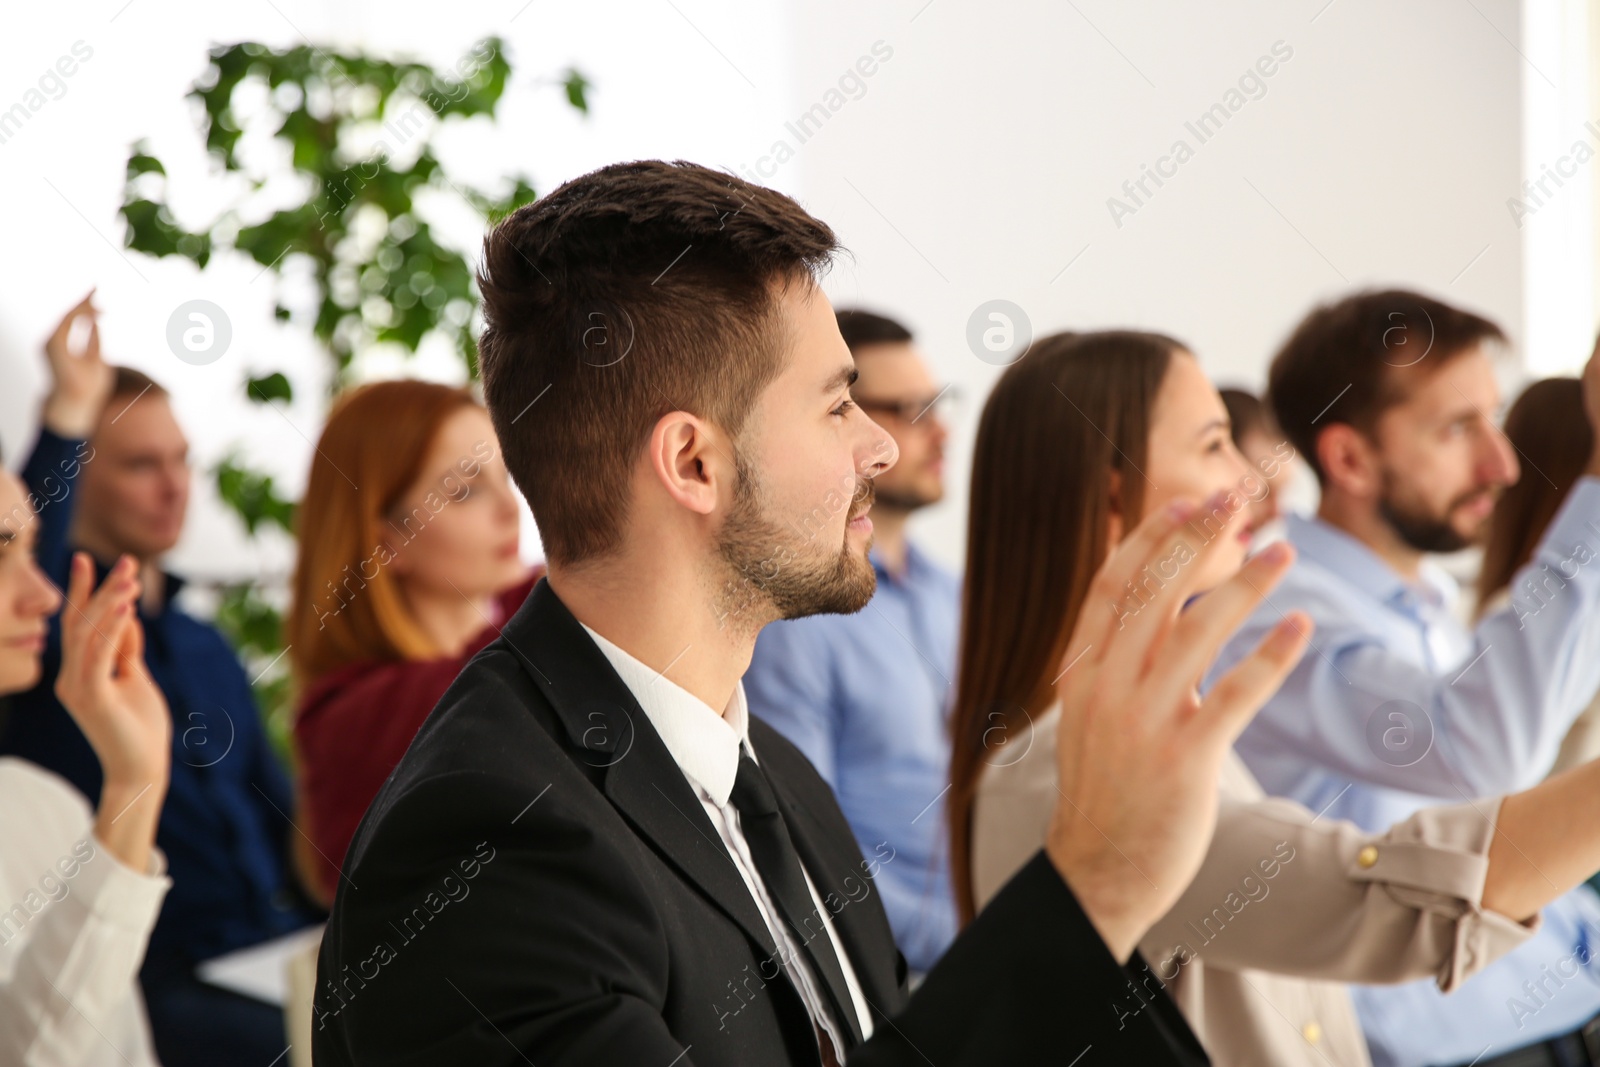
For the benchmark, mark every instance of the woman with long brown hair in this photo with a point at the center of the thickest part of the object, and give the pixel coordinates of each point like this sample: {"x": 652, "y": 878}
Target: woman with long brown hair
{"x": 1079, "y": 439}
{"x": 408, "y": 565}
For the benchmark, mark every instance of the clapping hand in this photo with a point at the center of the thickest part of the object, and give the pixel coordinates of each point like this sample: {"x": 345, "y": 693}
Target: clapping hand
{"x": 106, "y": 687}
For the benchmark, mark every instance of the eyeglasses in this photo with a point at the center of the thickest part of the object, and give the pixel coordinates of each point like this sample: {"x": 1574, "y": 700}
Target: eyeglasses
{"x": 942, "y": 405}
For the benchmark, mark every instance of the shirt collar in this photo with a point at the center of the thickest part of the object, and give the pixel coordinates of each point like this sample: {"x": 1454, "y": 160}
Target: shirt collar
{"x": 1338, "y": 552}
{"x": 705, "y": 745}
{"x": 913, "y": 565}
{"x": 172, "y": 584}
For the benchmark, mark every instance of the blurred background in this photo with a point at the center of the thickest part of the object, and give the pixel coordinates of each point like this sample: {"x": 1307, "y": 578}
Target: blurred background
{"x": 965, "y": 153}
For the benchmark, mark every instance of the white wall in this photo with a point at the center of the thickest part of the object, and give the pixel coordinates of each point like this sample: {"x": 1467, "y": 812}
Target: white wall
{"x": 980, "y": 160}
{"x": 1554, "y": 210}
{"x": 974, "y": 163}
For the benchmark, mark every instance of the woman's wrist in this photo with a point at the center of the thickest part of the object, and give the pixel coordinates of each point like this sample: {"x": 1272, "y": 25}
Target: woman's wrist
{"x": 128, "y": 798}
{"x": 126, "y": 821}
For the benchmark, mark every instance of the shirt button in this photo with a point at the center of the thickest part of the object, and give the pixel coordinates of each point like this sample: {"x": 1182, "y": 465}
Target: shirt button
{"x": 1368, "y": 856}
{"x": 1311, "y": 1032}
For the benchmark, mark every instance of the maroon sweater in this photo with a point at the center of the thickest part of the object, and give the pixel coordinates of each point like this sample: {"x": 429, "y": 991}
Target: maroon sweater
{"x": 353, "y": 725}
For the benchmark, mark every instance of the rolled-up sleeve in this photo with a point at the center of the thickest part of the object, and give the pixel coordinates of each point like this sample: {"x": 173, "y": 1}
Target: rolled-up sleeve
{"x": 1283, "y": 890}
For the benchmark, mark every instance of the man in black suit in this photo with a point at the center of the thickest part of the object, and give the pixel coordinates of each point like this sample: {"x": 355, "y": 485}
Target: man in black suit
{"x": 591, "y": 853}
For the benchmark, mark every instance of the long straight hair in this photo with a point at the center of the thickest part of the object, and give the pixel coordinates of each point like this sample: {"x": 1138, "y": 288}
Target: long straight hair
{"x": 1548, "y": 427}
{"x": 1066, "y": 425}
{"x": 371, "y": 451}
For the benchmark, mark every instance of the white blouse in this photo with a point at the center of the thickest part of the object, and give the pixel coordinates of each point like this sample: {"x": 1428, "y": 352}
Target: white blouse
{"x": 73, "y": 927}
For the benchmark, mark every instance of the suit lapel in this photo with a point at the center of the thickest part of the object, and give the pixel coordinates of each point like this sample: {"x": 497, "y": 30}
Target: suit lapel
{"x": 838, "y": 881}
{"x": 613, "y": 734}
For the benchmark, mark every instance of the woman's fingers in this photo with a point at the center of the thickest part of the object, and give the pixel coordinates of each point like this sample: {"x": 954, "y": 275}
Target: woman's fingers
{"x": 1212, "y": 620}
{"x": 130, "y": 647}
{"x": 80, "y": 583}
{"x": 1239, "y": 694}
{"x": 1144, "y": 613}
{"x": 1098, "y": 620}
{"x": 97, "y": 623}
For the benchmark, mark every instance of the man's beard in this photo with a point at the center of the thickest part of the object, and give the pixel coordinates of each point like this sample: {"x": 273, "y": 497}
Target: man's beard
{"x": 1421, "y": 530}
{"x": 911, "y": 497}
{"x": 775, "y": 568}
{"x": 907, "y": 500}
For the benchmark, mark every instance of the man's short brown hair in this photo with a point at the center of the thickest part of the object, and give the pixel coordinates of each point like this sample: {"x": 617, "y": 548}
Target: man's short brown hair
{"x": 128, "y": 385}
{"x": 1349, "y": 361}
{"x": 635, "y": 290}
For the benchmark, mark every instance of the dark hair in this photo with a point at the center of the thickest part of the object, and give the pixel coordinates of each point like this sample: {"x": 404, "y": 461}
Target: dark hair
{"x": 635, "y": 290}
{"x": 1073, "y": 410}
{"x": 1248, "y": 414}
{"x": 127, "y": 382}
{"x": 1349, "y": 361}
{"x": 1549, "y": 427}
{"x": 862, "y": 328}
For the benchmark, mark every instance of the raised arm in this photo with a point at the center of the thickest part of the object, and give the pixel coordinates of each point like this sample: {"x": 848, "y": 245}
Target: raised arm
{"x": 1442, "y": 894}
{"x": 1496, "y": 716}
{"x": 80, "y": 381}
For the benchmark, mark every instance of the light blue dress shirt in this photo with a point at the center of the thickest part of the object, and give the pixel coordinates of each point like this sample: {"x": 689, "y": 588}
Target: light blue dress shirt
{"x": 867, "y": 697}
{"x": 1396, "y": 707}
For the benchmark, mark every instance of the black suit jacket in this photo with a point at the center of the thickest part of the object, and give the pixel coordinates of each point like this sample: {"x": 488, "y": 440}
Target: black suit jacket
{"x": 538, "y": 883}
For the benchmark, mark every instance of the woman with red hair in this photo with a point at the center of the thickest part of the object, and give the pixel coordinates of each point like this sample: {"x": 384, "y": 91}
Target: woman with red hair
{"x": 408, "y": 566}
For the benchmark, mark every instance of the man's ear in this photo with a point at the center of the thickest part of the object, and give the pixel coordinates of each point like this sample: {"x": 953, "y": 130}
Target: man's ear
{"x": 689, "y": 460}
{"x": 1349, "y": 461}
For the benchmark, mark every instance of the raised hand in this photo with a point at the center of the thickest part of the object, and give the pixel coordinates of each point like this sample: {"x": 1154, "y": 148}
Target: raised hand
{"x": 1139, "y": 751}
{"x": 108, "y": 691}
{"x": 80, "y": 381}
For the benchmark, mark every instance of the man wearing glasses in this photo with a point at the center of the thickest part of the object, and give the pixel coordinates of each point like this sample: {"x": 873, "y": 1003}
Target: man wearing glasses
{"x": 866, "y": 696}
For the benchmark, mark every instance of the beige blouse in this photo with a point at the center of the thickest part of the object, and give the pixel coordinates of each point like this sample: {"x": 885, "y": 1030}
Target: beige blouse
{"x": 1286, "y": 907}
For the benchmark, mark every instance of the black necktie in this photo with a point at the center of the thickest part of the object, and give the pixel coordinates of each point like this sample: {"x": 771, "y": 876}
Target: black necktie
{"x": 779, "y": 866}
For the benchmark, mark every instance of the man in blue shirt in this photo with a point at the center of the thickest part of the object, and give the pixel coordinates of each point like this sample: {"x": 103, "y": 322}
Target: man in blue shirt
{"x": 1388, "y": 396}
{"x": 109, "y": 475}
{"x": 866, "y": 697}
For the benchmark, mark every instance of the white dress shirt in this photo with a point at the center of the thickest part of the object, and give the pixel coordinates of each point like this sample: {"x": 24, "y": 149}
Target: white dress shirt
{"x": 706, "y": 747}
{"x": 72, "y": 931}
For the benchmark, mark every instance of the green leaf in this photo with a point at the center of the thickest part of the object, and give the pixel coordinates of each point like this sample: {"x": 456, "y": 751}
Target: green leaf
{"x": 274, "y": 386}
{"x": 251, "y": 495}
{"x": 141, "y": 163}
{"x": 577, "y": 89}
